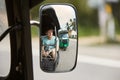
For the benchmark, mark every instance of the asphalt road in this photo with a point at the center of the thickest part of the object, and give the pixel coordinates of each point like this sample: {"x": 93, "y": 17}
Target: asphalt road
{"x": 67, "y": 58}
{"x": 100, "y": 62}
{"x": 83, "y": 71}
{"x": 94, "y": 63}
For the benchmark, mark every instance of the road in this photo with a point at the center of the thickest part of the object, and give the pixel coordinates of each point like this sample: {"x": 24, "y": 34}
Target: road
{"x": 99, "y": 62}
{"x": 83, "y": 71}
{"x": 94, "y": 63}
{"x": 68, "y": 57}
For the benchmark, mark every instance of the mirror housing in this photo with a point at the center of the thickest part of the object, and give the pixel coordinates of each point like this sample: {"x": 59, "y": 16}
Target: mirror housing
{"x": 58, "y": 38}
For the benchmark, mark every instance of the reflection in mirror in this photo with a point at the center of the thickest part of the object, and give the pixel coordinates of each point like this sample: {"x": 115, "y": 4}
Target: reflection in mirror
{"x": 58, "y": 38}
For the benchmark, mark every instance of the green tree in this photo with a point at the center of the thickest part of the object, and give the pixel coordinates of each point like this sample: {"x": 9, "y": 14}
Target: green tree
{"x": 87, "y": 15}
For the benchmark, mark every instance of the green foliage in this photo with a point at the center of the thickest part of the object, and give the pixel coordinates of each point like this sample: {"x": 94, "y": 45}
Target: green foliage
{"x": 34, "y": 31}
{"x": 81, "y": 6}
{"x": 117, "y": 28}
{"x": 34, "y": 12}
{"x": 89, "y": 30}
{"x": 86, "y": 16}
{"x": 85, "y": 13}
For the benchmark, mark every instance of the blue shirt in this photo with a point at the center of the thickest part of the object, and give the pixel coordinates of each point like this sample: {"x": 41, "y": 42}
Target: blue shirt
{"x": 49, "y": 43}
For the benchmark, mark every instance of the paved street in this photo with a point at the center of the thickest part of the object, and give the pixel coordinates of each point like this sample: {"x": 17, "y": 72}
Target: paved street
{"x": 94, "y": 63}
{"x": 84, "y": 71}
{"x": 67, "y": 58}
{"x": 99, "y": 62}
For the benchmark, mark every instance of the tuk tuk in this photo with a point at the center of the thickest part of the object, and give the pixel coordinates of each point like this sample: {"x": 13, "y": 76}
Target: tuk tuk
{"x": 49, "y": 21}
{"x": 64, "y": 39}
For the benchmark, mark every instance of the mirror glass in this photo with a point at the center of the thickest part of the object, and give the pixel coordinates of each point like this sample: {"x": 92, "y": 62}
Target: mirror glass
{"x": 58, "y": 38}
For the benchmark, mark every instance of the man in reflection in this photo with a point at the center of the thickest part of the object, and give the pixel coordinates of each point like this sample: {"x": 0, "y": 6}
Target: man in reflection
{"x": 50, "y": 44}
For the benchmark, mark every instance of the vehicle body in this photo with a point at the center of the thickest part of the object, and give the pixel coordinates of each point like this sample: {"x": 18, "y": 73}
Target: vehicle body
{"x": 21, "y": 67}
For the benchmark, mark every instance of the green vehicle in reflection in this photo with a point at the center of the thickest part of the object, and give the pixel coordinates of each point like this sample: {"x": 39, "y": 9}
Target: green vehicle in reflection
{"x": 63, "y": 39}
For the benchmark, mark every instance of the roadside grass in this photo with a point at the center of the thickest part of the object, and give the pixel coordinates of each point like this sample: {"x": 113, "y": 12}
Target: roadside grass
{"x": 83, "y": 31}
{"x": 117, "y": 29}
{"x": 92, "y": 34}
{"x": 86, "y": 31}
{"x": 116, "y": 42}
{"x": 34, "y": 31}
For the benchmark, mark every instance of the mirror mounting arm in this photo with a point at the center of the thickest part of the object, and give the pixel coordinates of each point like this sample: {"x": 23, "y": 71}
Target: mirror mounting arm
{"x": 12, "y": 28}
{"x": 34, "y": 22}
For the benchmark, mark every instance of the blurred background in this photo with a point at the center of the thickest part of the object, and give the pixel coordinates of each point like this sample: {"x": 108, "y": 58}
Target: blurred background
{"x": 99, "y": 40}
{"x": 98, "y": 21}
{"x": 98, "y": 18}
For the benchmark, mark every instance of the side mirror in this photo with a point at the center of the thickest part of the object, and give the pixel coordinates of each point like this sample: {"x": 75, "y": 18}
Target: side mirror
{"x": 58, "y": 38}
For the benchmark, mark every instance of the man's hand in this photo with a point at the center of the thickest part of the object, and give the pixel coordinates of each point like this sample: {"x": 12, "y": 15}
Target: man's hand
{"x": 45, "y": 53}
